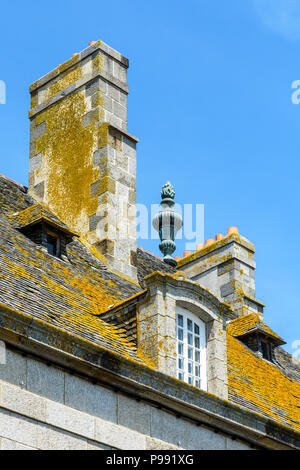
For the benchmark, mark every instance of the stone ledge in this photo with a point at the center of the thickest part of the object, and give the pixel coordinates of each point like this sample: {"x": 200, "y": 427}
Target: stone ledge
{"x": 74, "y": 87}
{"x": 123, "y": 132}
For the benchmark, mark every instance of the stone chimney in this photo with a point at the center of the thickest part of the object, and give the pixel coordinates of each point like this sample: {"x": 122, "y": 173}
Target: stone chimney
{"x": 82, "y": 159}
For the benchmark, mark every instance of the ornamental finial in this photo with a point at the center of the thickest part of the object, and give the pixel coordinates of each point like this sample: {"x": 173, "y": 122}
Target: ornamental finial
{"x": 167, "y": 191}
{"x": 167, "y": 222}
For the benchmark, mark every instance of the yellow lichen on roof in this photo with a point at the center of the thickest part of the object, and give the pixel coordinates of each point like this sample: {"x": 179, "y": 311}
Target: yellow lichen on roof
{"x": 242, "y": 325}
{"x": 72, "y": 296}
{"x": 26, "y": 216}
{"x": 262, "y": 385}
{"x": 35, "y": 214}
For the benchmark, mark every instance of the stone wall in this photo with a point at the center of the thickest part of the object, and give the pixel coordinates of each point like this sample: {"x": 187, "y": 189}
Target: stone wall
{"x": 44, "y": 407}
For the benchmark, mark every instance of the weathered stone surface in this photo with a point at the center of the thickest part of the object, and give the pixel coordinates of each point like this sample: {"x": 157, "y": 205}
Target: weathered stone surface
{"x": 49, "y": 438}
{"x": 168, "y": 428}
{"x": 93, "y": 399}
{"x": 134, "y": 415}
{"x": 46, "y": 381}
{"x": 7, "y": 444}
{"x": 22, "y": 402}
{"x": 118, "y": 436}
{"x": 17, "y": 428}
{"x": 15, "y": 369}
{"x": 156, "y": 444}
{"x": 204, "y": 439}
{"x": 69, "y": 419}
{"x": 35, "y": 162}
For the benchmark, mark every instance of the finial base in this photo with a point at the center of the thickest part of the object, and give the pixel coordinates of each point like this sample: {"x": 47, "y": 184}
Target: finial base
{"x": 170, "y": 261}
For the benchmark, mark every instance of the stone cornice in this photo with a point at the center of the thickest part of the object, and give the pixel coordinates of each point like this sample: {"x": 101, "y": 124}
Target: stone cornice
{"x": 233, "y": 238}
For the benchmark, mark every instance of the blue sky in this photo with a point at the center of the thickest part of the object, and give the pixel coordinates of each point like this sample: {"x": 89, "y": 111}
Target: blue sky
{"x": 210, "y": 102}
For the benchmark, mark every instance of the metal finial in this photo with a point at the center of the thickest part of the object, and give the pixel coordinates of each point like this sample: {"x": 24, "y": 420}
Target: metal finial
{"x": 167, "y": 191}
{"x": 167, "y": 222}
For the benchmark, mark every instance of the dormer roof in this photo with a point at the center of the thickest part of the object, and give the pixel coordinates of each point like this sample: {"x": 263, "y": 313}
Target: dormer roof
{"x": 37, "y": 214}
{"x": 252, "y": 324}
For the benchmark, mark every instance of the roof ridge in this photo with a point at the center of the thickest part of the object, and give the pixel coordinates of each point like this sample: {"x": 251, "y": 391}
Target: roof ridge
{"x": 21, "y": 186}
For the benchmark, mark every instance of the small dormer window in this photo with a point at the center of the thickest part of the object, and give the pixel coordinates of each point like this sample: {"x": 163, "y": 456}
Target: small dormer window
{"x": 251, "y": 330}
{"x": 44, "y": 229}
{"x": 191, "y": 349}
{"x": 53, "y": 244}
{"x": 266, "y": 350}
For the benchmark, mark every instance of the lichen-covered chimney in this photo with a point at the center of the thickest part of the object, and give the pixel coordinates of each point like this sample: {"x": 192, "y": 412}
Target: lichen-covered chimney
{"x": 82, "y": 159}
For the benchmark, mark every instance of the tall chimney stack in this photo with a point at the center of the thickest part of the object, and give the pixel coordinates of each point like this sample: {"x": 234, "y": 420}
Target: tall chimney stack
{"x": 82, "y": 159}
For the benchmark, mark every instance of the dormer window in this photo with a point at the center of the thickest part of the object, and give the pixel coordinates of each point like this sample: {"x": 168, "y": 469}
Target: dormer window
{"x": 191, "y": 348}
{"x": 256, "y": 335}
{"x": 266, "y": 350}
{"x": 43, "y": 228}
{"x": 53, "y": 244}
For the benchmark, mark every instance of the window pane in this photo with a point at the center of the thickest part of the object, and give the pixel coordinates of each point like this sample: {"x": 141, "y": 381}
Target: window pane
{"x": 189, "y": 354}
{"x": 51, "y": 245}
{"x": 180, "y": 363}
{"x": 265, "y": 350}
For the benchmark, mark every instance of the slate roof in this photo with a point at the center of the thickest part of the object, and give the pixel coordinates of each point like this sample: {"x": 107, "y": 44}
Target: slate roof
{"x": 69, "y": 294}
{"x": 148, "y": 263}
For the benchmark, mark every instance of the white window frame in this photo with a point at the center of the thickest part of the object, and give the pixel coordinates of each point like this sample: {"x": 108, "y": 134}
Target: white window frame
{"x": 185, "y": 364}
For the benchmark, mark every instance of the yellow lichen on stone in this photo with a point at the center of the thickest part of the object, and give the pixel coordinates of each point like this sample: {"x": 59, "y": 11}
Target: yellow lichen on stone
{"x": 70, "y": 77}
{"x": 67, "y": 150}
